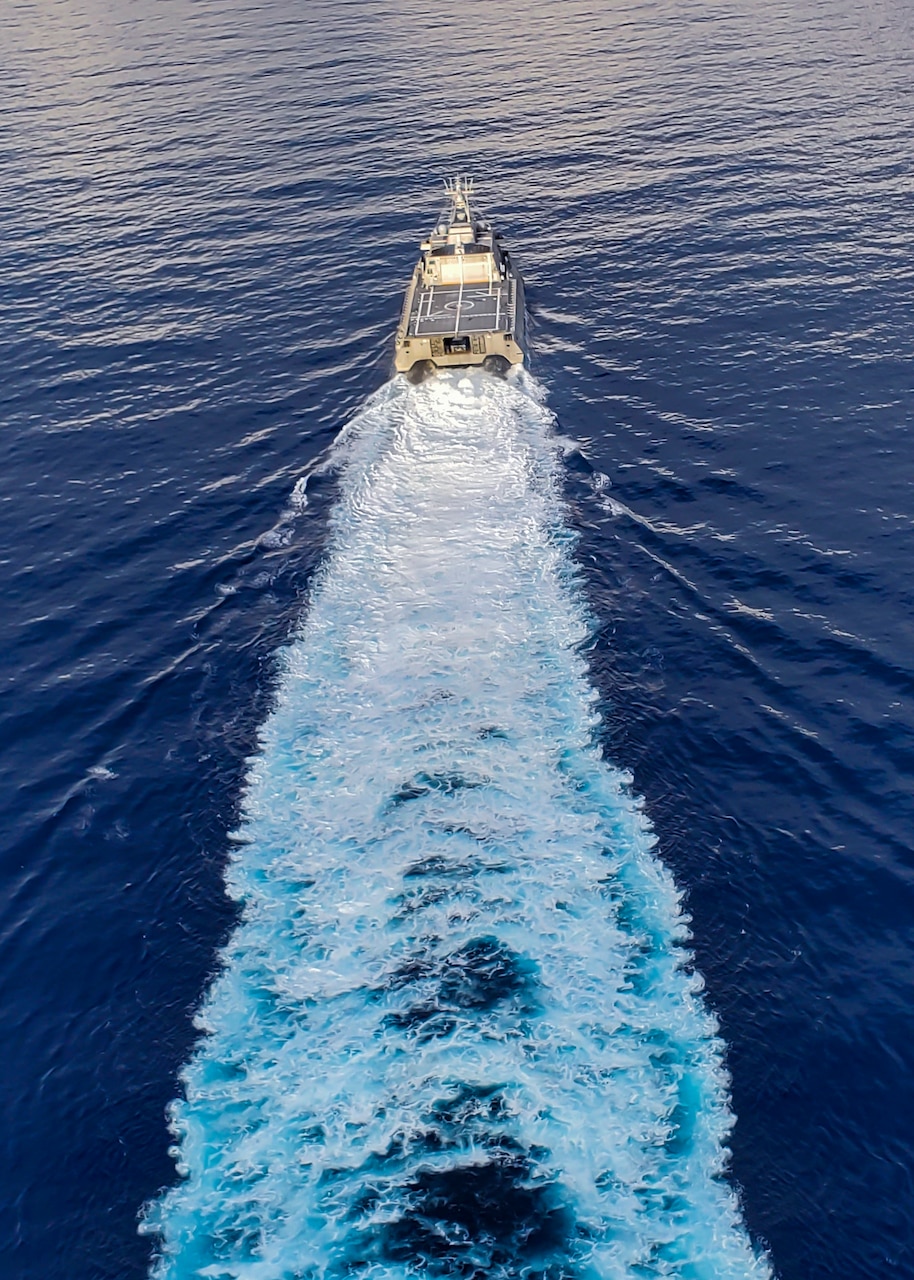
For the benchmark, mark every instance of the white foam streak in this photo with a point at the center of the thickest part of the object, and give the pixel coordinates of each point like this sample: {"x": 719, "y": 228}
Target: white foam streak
{"x": 453, "y": 1032}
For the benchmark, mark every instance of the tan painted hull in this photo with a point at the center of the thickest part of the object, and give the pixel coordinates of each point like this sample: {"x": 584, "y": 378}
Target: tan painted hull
{"x": 464, "y": 304}
{"x": 411, "y": 349}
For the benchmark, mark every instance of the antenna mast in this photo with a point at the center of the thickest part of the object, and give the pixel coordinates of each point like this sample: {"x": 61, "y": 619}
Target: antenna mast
{"x": 460, "y": 189}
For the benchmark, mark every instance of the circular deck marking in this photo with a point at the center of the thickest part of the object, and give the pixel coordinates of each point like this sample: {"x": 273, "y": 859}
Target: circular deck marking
{"x": 466, "y": 305}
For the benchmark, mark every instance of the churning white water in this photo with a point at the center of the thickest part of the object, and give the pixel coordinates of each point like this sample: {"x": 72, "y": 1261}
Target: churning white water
{"x": 452, "y": 1033}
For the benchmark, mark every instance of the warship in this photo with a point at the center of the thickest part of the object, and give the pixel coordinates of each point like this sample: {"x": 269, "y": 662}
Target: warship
{"x": 465, "y": 302}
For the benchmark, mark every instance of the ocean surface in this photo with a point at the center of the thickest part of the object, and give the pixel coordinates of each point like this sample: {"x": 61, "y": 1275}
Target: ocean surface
{"x": 462, "y": 830}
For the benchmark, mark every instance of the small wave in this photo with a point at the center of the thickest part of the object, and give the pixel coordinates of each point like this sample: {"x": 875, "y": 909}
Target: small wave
{"x": 455, "y": 1032}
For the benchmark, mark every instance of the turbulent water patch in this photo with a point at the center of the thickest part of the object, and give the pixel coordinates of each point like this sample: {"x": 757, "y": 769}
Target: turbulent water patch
{"x": 453, "y": 1033}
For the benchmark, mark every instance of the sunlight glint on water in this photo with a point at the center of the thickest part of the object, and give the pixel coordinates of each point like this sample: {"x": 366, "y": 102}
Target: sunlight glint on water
{"x": 452, "y": 1033}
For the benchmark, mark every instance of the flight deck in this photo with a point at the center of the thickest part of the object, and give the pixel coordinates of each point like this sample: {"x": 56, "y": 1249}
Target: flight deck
{"x": 470, "y": 309}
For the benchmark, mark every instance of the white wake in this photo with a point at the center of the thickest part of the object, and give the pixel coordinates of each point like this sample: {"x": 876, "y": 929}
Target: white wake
{"x": 453, "y": 1033}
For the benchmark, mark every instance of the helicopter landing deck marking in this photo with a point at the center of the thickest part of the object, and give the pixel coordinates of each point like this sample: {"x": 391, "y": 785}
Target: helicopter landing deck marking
{"x": 481, "y": 309}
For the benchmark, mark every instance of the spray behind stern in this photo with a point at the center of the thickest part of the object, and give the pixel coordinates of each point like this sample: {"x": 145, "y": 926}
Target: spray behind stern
{"x": 452, "y": 1034}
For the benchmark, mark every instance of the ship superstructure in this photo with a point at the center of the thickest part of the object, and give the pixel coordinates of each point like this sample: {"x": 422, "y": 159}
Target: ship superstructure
{"x": 465, "y": 302}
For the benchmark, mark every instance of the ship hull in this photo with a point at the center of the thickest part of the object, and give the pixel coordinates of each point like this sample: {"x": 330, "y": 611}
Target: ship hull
{"x": 438, "y": 331}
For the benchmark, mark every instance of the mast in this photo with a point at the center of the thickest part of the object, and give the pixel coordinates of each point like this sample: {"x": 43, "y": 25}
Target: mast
{"x": 460, "y": 189}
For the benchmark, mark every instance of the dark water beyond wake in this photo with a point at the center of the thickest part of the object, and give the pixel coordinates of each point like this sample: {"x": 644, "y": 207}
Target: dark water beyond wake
{"x": 451, "y": 1034}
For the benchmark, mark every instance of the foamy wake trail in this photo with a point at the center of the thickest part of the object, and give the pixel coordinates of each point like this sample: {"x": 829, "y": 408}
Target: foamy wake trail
{"x": 452, "y": 1034}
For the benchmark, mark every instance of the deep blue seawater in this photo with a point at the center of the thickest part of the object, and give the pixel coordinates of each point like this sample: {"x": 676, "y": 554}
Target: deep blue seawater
{"x": 702, "y": 567}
